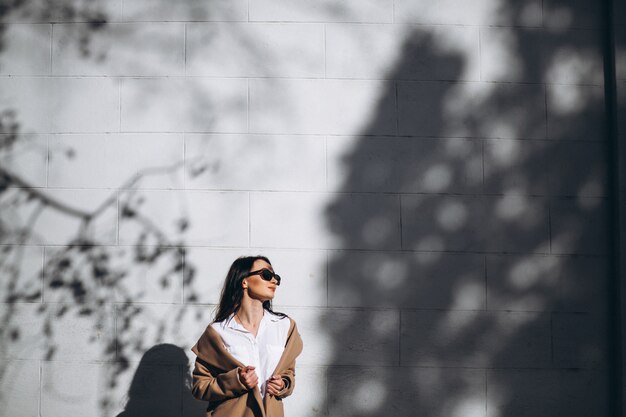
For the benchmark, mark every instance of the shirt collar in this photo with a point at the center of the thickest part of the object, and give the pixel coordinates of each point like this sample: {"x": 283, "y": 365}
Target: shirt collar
{"x": 232, "y": 323}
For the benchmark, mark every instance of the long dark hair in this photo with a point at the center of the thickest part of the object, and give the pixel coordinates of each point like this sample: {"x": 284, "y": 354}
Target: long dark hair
{"x": 232, "y": 291}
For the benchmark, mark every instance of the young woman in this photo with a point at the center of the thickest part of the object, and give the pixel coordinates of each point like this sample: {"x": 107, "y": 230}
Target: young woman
{"x": 246, "y": 358}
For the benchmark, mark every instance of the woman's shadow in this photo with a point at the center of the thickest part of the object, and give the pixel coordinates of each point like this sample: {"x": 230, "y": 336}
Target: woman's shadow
{"x": 161, "y": 386}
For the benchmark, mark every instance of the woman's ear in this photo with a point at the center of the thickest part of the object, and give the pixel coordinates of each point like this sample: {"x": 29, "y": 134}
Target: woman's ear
{"x": 244, "y": 284}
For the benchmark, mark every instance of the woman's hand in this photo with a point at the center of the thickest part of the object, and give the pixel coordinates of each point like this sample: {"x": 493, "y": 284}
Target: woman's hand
{"x": 248, "y": 377}
{"x": 275, "y": 384}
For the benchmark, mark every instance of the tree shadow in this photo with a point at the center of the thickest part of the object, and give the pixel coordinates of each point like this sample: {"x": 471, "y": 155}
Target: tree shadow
{"x": 473, "y": 278}
{"x": 69, "y": 291}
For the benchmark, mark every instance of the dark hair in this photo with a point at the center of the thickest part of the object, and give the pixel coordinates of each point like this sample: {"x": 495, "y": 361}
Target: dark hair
{"x": 232, "y": 291}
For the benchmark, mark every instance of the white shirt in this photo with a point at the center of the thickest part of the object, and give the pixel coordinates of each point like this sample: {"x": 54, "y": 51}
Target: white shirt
{"x": 263, "y": 351}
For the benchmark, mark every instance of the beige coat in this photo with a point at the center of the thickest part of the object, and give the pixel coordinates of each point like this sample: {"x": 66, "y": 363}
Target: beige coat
{"x": 215, "y": 378}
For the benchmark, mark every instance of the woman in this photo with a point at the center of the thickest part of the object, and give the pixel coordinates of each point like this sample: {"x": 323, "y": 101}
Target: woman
{"x": 246, "y": 358}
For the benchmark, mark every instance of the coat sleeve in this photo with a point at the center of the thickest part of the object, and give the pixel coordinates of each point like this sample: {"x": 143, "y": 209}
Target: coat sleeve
{"x": 289, "y": 378}
{"x": 209, "y": 387}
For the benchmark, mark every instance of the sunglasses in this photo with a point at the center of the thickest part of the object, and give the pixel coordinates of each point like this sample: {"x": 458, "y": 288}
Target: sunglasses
{"x": 266, "y": 275}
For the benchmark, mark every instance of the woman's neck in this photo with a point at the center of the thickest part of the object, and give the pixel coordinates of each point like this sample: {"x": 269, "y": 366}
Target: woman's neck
{"x": 250, "y": 312}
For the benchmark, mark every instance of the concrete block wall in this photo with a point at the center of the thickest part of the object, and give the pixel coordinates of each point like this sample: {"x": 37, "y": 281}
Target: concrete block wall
{"x": 430, "y": 179}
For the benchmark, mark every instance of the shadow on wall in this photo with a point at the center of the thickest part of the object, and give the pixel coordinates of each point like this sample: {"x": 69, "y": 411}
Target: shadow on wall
{"x": 68, "y": 291}
{"x": 477, "y": 262}
{"x": 473, "y": 279}
{"x": 162, "y": 386}
{"x": 84, "y": 265}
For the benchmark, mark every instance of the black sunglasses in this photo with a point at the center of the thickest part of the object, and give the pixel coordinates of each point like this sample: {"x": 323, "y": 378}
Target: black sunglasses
{"x": 266, "y": 275}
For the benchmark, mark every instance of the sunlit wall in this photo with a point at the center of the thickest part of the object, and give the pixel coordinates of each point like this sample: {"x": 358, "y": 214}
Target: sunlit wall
{"x": 429, "y": 178}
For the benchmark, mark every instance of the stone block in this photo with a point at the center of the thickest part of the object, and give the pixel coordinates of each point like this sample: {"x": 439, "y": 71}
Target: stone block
{"x": 132, "y": 273}
{"x": 575, "y": 112}
{"x": 157, "y": 385}
{"x": 84, "y": 333}
{"x": 540, "y": 56}
{"x": 301, "y": 217}
{"x": 442, "y": 223}
{"x": 521, "y": 224}
{"x": 187, "y": 11}
{"x": 355, "y": 221}
{"x": 205, "y": 272}
{"x": 569, "y": 168}
{"x": 561, "y": 15}
{"x": 475, "y": 339}
{"x": 84, "y": 105}
{"x": 322, "y": 107}
{"x": 579, "y": 340}
{"x": 216, "y": 105}
{"x": 303, "y": 273}
{"x": 116, "y": 161}
{"x": 307, "y": 398}
{"x": 120, "y": 49}
{"x": 20, "y": 100}
{"x": 532, "y": 392}
{"x": 21, "y": 270}
{"x": 153, "y": 105}
{"x": 347, "y": 336}
{"x": 369, "y": 11}
{"x": 26, "y": 49}
{"x": 23, "y": 324}
{"x": 59, "y": 331}
{"x": 411, "y": 165}
{"x": 579, "y": 226}
{"x": 512, "y": 54}
{"x": 363, "y": 337}
{"x": 192, "y": 217}
{"x": 519, "y": 166}
{"x": 190, "y": 105}
{"x": 275, "y": 163}
{"x": 66, "y": 11}
{"x": 580, "y": 169}
{"x": 574, "y": 57}
{"x": 508, "y": 223}
{"x": 72, "y": 389}
{"x": 584, "y": 284}
{"x": 406, "y": 391}
{"x": 405, "y": 280}
{"x": 255, "y": 50}
{"x": 471, "y": 109}
{"x": 26, "y": 158}
{"x": 141, "y": 326}
{"x": 20, "y": 387}
{"x": 158, "y": 281}
{"x": 402, "y": 52}
{"x": 60, "y": 220}
{"x": 523, "y": 282}
{"x": 457, "y": 12}
{"x": 318, "y": 343}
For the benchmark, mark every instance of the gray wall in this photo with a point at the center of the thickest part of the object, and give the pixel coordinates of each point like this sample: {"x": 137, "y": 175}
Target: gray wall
{"x": 430, "y": 178}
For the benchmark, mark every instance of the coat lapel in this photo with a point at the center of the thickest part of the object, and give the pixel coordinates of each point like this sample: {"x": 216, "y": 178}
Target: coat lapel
{"x": 210, "y": 348}
{"x": 293, "y": 348}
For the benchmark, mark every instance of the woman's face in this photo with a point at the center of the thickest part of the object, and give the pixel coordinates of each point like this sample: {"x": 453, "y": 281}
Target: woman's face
{"x": 257, "y": 287}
